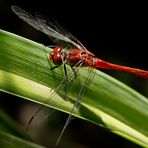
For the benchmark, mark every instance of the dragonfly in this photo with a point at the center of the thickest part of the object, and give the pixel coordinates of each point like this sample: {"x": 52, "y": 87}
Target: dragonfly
{"x": 70, "y": 51}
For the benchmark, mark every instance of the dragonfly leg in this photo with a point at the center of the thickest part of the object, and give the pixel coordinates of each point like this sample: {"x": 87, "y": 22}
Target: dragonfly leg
{"x": 51, "y": 68}
{"x": 75, "y": 74}
{"x": 66, "y": 78}
{"x": 65, "y": 72}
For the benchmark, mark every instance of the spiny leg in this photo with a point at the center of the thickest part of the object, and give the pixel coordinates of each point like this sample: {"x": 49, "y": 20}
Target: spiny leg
{"x": 65, "y": 72}
{"x": 51, "y": 68}
{"x": 66, "y": 78}
{"x": 75, "y": 74}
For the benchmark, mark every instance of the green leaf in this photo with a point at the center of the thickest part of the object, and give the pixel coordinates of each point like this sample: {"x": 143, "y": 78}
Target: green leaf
{"x": 11, "y": 141}
{"x": 8, "y": 125}
{"x": 12, "y": 135}
{"x": 107, "y": 102}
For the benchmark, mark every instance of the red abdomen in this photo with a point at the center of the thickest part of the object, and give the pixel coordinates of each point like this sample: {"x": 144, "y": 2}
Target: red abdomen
{"x": 100, "y": 64}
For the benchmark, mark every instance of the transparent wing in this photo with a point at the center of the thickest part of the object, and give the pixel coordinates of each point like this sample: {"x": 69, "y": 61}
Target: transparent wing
{"x": 87, "y": 81}
{"x": 43, "y": 112}
{"x": 60, "y": 29}
{"x": 53, "y": 31}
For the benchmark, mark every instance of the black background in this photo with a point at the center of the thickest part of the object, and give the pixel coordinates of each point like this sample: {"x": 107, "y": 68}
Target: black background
{"x": 116, "y": 32}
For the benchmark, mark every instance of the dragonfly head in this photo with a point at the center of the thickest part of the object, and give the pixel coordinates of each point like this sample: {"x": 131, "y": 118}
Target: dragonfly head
{"x": 55, "y": 55}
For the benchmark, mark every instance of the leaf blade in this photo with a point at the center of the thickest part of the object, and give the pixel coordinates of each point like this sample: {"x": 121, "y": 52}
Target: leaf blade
{"x": 106, "y": 97}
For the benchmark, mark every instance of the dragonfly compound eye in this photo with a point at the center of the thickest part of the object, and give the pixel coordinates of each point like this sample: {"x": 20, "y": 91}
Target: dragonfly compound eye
{"x": 55, "y": 57}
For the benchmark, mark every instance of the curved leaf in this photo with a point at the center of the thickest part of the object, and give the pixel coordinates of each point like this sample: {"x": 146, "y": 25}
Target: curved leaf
{"x": 24, "y": 72}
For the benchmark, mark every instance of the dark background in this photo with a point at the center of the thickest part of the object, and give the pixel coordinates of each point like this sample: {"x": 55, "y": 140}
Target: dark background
{"x": 116, "y": 32}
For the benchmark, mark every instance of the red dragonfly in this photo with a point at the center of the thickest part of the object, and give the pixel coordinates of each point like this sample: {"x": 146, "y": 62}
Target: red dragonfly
{"x": 77, "y": 56}
{"x": 88, "y": 59}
